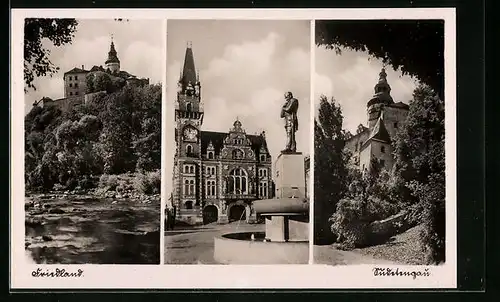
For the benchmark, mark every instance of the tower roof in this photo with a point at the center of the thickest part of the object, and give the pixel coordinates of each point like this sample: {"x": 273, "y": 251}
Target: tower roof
{"x": 112, "y": 54}
{"x": 382, "y": 90}
{"x": 379, "y": 131}
{"x": 188, "y": 73}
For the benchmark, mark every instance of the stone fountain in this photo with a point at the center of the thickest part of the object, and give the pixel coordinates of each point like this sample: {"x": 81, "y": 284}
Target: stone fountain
{"x": 286, "y": 236}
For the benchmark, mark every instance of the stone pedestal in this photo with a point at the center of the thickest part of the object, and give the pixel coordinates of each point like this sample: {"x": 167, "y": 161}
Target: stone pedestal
{"x": 290, "y": 175}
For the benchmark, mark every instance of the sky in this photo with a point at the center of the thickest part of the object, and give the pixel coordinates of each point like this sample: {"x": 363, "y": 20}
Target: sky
{"x": 245, "y": 68}
{"x": 350, "y": 78}
{"x": 138, "y": 43}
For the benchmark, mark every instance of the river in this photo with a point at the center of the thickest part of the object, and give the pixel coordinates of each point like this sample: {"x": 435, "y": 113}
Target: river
{"x": 76, "y": 230}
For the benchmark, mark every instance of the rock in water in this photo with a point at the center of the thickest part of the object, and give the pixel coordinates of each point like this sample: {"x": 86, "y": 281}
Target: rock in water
{"x": 47, "y": 238}
{"x": 56, "y": 211}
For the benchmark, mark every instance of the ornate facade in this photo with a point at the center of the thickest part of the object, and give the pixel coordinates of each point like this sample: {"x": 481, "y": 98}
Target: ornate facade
{"x": 216, "y": 175}
{"x": 385, "y": 117}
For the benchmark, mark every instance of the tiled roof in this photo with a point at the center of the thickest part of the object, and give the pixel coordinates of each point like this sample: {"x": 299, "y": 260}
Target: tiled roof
{"x": 76, "y": 70}
{"x": 188, "y": 71}
{"x": 379, "y": 131}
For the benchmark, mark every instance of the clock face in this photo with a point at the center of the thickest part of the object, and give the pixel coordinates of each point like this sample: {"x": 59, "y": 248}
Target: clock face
{"x": 190, "y": 134}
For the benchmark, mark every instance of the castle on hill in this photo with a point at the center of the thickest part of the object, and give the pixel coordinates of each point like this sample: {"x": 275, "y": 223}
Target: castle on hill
{"x": 78, "y": 82}
{"x": 385, "y": 118}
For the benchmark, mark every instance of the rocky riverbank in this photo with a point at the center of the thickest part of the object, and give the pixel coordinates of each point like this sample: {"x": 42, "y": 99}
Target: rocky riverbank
{"x": 93, "y": 226}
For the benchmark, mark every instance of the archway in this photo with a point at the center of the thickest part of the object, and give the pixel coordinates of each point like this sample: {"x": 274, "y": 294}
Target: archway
{"x": 210, "y": 214}
{"x": 237, "y": 212}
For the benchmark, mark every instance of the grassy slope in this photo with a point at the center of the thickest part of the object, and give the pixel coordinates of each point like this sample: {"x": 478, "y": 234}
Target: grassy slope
{"x": 402, "y": 248}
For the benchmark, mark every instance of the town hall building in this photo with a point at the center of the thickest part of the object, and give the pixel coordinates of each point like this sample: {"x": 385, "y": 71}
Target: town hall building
{"x": 385, "y": 118}
{"x": 217, "y": 175}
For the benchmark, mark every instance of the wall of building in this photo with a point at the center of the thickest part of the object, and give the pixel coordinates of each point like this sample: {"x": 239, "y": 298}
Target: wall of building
{"x": 75, "y": 84}
{"x": 354, "y": 146}
{"x": 365, "y": 157}
{"x": 376, "y": 151}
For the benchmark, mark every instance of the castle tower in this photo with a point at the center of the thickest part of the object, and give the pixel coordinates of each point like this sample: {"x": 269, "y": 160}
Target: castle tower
{"x": 380, "y": 99}
{"x": 112, "y": 63}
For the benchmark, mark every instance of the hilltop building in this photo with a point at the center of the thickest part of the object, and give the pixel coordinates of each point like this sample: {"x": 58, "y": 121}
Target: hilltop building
{"x": 385, "y": 117}
{"x": 78, "y": 82}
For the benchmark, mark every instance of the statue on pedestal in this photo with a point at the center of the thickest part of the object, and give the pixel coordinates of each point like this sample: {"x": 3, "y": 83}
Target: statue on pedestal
{"x": 289, "y": 113}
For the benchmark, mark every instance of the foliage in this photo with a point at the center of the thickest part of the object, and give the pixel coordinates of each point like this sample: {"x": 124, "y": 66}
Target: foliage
{"x": 420, "y": 166}
{"x": 37, "y": 32}
{"x": 108, "y": 182}
{"x": 330, "y": 166}
{"x": 68, "y": 148}
{"x": 417, "y": 47}
{"x": 148, "y": 183}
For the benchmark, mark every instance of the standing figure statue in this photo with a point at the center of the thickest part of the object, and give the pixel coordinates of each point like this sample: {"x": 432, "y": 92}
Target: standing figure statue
{"x": 289, "y": 113}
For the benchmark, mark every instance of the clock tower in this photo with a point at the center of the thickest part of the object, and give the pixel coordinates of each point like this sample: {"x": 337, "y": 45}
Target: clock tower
{"x": 188, "y": 121}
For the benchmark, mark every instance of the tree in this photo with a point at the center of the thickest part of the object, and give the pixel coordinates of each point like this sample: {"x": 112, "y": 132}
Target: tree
{"x": 420, "y": 166}
{"x": 330, "y": 167}
{"x": 417, "y": 47}
{"x": 36, "y": 55}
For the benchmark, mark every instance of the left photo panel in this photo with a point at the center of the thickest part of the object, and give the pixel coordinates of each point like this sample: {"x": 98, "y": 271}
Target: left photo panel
{"x": 92, "y": 102}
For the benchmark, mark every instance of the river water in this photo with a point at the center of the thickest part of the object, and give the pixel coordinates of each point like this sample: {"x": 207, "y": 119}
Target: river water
{"x": 93, "y": 231}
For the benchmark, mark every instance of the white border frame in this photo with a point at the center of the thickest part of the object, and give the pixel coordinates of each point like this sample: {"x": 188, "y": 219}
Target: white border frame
{"x": 223, "y": 276}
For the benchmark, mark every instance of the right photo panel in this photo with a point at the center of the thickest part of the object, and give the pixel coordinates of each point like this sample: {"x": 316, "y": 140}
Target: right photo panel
{"x": 379, "y": 140}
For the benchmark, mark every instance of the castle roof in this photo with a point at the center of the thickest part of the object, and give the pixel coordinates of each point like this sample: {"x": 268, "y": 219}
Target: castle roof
{"x": 112, "y": 54}
{"x": 400, "y": 105}
{"x": 76, "y": 70}
{"x": 379, "y": 131}
{"x": 382, "y": 91}
{"x": 217, "y": 139}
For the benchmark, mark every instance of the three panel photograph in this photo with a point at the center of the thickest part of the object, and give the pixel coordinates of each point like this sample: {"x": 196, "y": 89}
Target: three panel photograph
{"x": 176, "y": 146}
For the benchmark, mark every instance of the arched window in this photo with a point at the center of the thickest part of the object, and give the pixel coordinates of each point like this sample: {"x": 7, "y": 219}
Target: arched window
{"x": 237, "y": 154}
{"x": 262, "y": 157}
{"x": 239, "y": 180}
{"x": 210, "y": 155}
{"x": 189, "y": 149}
{"x": 382, "y": 149}
{"x": 188, "y": 204}
{"x": 191, "y": 169}
{"x": 189, "y": 107}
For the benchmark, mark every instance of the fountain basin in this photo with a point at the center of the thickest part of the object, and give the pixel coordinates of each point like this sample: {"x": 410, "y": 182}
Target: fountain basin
{"x": 238, "y": 248}
{"x": 281, "y": 206}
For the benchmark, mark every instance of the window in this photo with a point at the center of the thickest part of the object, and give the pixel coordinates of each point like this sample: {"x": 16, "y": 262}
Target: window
{"x": 71, "y": 93}
{"x": 76, "y": 85}
{"x": 189, "y": 107}
{"x": 396, "y": 125}
{"x": 189, "y": 150}
{"x": 382, "y": 163}
{"x": 188, "y": 204}
{"x": 238, "y": 181}
{"x": 210, "y": 171}
{"x": 76, "y": 93}
{"x": 263, "y": 192}
{"x": 210, "y": 188}
{"x": 70, "y": 78}
{"x": 382, "y": 149}
{"x": 262, "y": 157}
{"x": 189, "y": 169}
{"x": 262, "y": 172}
{"x": 210, "y": 154}
{"x": 70, "y": 84}
{"x": 189, "y": 187}
{"x": 76, "y": 78}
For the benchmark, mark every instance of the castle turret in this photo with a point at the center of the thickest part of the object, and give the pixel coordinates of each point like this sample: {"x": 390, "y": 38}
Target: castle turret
{"x": 112, "y": 63}
{"x": 381, "y": 98}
